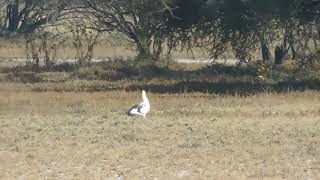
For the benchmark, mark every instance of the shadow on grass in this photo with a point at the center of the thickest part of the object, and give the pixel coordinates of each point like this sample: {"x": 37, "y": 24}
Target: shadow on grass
{"x": 63, "y": 67}
{"x": 121, "y": 76}
{"x": 219, "y": 88}
{"x": 122, "y": 70}
{"x": 229, "y": 88}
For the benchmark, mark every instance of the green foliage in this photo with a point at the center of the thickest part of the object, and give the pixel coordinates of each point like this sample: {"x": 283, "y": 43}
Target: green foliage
{"x": 186, "y": 13}
{"x": 242, "y": 27}
{"x": 238, "y": 28}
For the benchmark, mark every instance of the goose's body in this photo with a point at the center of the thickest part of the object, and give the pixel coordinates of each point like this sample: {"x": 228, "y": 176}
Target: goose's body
{"x": 142, "y": 108}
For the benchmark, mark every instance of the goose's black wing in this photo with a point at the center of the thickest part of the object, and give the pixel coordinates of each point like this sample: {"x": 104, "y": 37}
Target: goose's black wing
{"x": 137, "y": 106}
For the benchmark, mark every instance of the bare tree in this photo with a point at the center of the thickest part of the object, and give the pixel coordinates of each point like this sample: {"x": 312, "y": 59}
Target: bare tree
{"x": 84, "y": 38}
{"x": 143, "y": 22}
{"x": 44, "y": 44}
{"x": 27, "y": 15}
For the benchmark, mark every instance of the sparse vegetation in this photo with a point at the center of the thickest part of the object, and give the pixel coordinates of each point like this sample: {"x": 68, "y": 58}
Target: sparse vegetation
{"x": 69, "y": 71}
{"x": 69, "y": 135}
{"x": 205, "y": 122}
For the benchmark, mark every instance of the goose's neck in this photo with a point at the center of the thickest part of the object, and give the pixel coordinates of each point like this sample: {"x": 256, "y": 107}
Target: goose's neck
{"x": 144, "y": 98}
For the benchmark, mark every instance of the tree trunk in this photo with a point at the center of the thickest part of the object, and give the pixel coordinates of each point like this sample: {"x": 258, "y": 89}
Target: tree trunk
{"x": 157, "y": 49}
{"x": 143, "y": 48}
{"x": 143, "y": 52}
{"x": 148, "y": 49}
{"x": 279, "y": 55}
{"x": 266, "y": 55}
{"x": 294, "y": 54}
{"x": 282, "y": 51}
{"x": 46, "y": 50}
{"x": 13, "y": 16}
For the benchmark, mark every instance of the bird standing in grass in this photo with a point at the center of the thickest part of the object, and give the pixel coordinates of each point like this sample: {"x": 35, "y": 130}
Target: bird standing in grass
{"x": 141, "y": 108}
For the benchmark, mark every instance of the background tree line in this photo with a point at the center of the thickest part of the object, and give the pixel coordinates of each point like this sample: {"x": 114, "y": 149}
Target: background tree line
{"x": 279, "y": 29}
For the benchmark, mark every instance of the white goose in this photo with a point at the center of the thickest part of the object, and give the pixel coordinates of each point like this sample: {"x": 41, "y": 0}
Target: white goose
{"x": 141, "y": 108}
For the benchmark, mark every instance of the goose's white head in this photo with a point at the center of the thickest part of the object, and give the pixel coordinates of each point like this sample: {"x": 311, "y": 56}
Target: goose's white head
{"x": 144, "y": 96}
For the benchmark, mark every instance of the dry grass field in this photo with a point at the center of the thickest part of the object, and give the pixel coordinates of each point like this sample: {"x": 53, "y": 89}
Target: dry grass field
{"x": 78, "y": 135}
{"x": 70, "y": 122}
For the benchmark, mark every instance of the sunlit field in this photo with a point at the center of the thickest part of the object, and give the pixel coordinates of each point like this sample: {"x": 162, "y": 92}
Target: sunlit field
{"x": 218, "y": 122}
{"x": 233, "y": 86}
{"x": 68, "y": 135}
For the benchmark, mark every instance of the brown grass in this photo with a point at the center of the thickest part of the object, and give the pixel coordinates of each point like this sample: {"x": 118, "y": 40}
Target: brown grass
{"x": 57, "y": 125}
{"x": 67, "y": 135}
